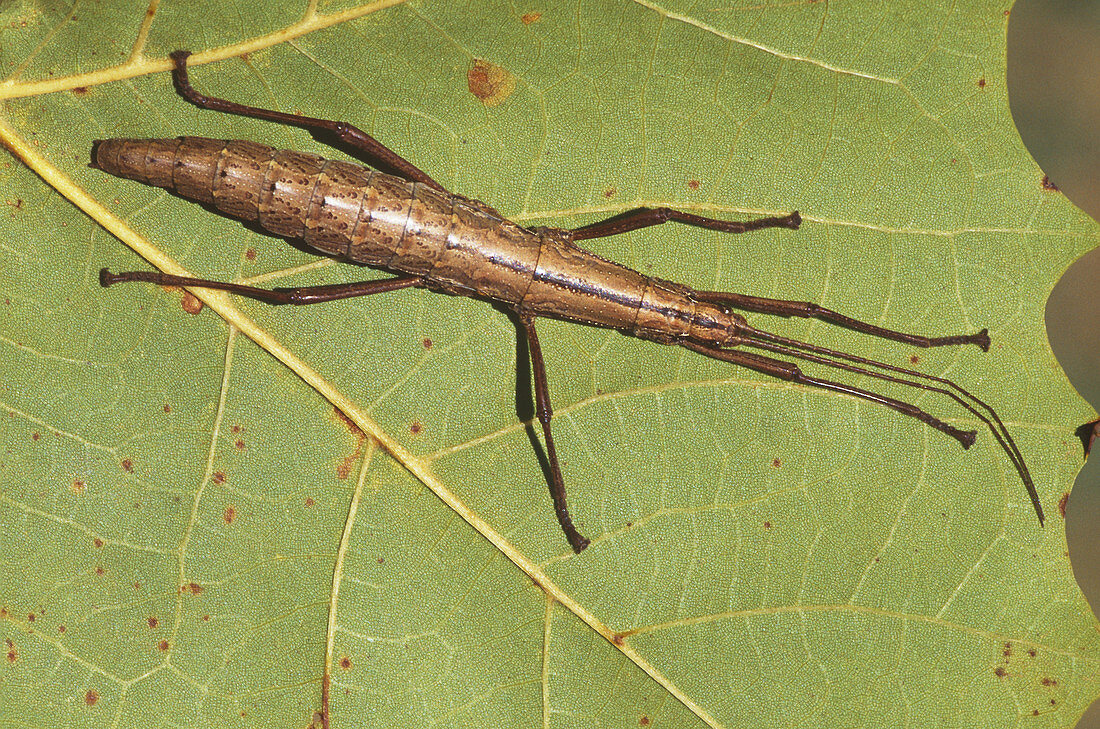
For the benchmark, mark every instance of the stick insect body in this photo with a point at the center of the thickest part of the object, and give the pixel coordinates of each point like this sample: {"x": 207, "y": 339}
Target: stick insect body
{"x": 408, "y": 224}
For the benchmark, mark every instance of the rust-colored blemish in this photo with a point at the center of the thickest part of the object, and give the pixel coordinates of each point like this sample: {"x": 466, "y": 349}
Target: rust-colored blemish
{"x": 190, "y": 303}
{"x": 219, "y": 477}
{"x": 137, "y": 585}
{"x": 153, "y": 621}
{"x": 192, "y": 588}
{"x": 381, "y": 560}
{"x": 981, "y": 83}
{"x": 238, "y": 444}
{"x": 206, "y": 618}
{"x": 345, "y": 663}
{"x": 127, "y": 465}
{"x": 914, "y": 359}
{"x": 427, "y": 343}
{"x": 343, "y": 470}
{"x": 776, "y": 462}
{"x": 91, "y": 697}
{"x": 1062, "y": 504}
{"x": 310, "y": 501}
{"x": 167, "y": 408}
{"x": 250, "y": 254}
{"x": 609, "y": 192}
{"x": 1046, "y": 184}
{"x": 13, "y": 654}
{"x": 767, "y": 525}
{"x": 36, "y": 436}
{"x": 80, "y": 91}
{"x": 1000, "y": 671}
{"x": 693, "y": 184}
{"x": 162, "y": 645}
{"x": 30, "y": 617}
{"x": 490, "y": 83}
{"x": 236, "y": 429}
{"x": 230, "y": 514}
{"x": 100, "y": 571}
{"x": 1007, "y": 653}
{"x": 644, "y": 721}
{"x": 1049, "y": 681}
{"x": 97, "y": 542}
{"x": 528, "y": 18}
{"x": 416, "y": 427}
{"x": 1031, "y": 652}
{"x": 617, "y": 638}
{"x": 61, "y": 629}
{"x": 77, "y": 486}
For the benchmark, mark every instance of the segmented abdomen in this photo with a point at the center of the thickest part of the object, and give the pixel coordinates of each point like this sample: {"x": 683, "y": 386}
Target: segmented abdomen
{"x": 456, "y": 244}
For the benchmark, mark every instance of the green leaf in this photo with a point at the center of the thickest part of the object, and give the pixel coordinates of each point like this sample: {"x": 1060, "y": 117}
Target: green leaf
{"x": 197, "y": 526}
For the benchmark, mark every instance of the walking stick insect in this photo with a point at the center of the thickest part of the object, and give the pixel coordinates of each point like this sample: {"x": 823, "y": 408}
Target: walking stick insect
{"x": 406, "y": 223}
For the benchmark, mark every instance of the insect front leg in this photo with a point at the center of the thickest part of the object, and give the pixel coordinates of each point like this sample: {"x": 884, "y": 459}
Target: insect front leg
{"x": 544, "y": 413}
{"x": 806, "y": 309}
{"x": 647, "y": 217}
{"x": 384, "y": 157}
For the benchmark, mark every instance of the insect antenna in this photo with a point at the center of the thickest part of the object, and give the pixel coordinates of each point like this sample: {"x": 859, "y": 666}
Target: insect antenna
{"x": 829, "y": 357}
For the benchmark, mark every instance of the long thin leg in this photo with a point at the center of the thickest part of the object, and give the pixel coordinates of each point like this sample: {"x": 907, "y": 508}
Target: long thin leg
{"x": 646, "y": 217}
{"x": 299, "y": 296}
{"x": 347, "y": 133}
{"x": 807, "y": 309}
{"x": 544, "y": 412}
{"x": 791, "y": 373}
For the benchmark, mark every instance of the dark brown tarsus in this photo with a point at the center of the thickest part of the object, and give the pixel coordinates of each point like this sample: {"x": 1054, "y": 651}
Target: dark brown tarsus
{"x": 740, "y": 332}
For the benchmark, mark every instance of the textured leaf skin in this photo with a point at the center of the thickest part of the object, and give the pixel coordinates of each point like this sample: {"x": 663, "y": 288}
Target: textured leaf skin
{"x": 177, "y": 539}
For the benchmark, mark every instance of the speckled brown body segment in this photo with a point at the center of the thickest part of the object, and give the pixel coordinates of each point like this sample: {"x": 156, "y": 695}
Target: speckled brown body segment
{"x": 458, "y": 245}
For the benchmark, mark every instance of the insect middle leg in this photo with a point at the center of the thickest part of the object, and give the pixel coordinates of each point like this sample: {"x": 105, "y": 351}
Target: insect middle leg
{"x": 350, "y": 134}
{"x": 544, "y": 413}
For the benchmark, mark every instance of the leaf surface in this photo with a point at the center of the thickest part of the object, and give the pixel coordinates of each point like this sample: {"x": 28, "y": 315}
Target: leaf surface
{"x": 199, "y": 526}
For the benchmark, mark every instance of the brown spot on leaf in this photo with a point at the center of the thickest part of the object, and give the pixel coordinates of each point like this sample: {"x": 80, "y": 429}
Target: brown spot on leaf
{"x": 77, "y": 486}
{"x": 1031, "y": 652}
{"x": 219, "y": 477}
{"x": 644, "y": 721}
{"x": 192, "y": 588}
{"x": 310, "y": 501}
{"x": 914, "y": 359}
{"x": 36, "y": 436}
{"x": 609, "y": 192}
{"x": 1049, "y": 681}
{"x": 1007, "y": 653}
{"x": 153, "y": 621}
{"x": 206, "y": 618}
{"x": 91, "y": 697}
{"x": 80, "y": 91}
{"x": 617, "y": 638}
{"x": 343, "y": 470}
{"x": 1000, "y": 671}
{"x": 250, "y": 254}
{"x": 1062, "y": 504}
{"x": 238, "y": 444}
{"x": 100, "y": 571}
{"x": 230, "y": 514}
{"x": 776, "y": 463}
{"x": 127, "y": 465}
{"x": 97, "y": 542}
{"x": 981, "y": 83}
{"x": 236, "y": 429}
{"x": 190, "y": 303}
{"x": 61, "y": 629}
{"x": 345, "y": 663}
{"x": 416, "y": 427}
{"x": 767, "y": 525}
{"x": 528, "y": 18}
{"x": 427, "y": 343}
{"x": 1046, "y": 184}
{"x": 162, "y": 645}
{"x": 167, "y": 408}
{"x": 693, "y": 184}
{"x": 13, "y": 655}
{"x": 490, "y": 83}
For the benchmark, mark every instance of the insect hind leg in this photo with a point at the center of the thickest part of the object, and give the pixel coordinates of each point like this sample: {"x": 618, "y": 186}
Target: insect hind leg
{"x": 379, "y": 154}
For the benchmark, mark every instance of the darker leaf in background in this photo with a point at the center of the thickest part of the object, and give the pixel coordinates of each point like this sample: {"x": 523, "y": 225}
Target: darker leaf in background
{"x": 1053, "y": 65}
